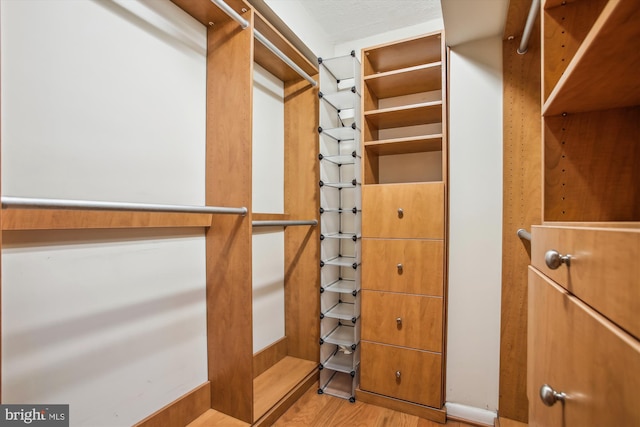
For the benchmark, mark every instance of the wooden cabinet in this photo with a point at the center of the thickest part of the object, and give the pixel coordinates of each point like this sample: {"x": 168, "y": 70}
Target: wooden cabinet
{"x": 404, "y": 223}
{"x": 584, "y": 281}
{"x": 576, "y": 351}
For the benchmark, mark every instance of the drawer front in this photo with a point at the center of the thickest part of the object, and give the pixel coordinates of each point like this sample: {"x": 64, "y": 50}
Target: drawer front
{"x": 410, "y": 266}
{"x": 404, "y": 320}
{"x": 578, "y": 352}
{"x": 603, "y": 271}
{"x": 403, "y": 210}
{"x": 402, "y": 373}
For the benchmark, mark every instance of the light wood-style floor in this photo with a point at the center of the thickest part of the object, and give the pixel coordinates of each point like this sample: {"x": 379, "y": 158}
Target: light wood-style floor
{"x": 314, "y": 410}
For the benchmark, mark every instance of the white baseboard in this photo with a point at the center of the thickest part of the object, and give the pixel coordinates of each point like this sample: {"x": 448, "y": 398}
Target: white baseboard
{"x": 471, "y": 413}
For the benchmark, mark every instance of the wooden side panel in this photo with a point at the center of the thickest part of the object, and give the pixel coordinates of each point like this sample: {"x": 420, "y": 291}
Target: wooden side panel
{"x": 182, "y": 411}
{"x": 521, "y": 208}
{"x": 228, "y": 175}
{"x": 302, "y": 201}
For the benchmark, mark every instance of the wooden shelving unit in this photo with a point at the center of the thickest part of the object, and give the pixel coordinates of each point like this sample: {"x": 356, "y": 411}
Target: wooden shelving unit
{"x": 591, "y": 215}
{"x": 404, "y": 221}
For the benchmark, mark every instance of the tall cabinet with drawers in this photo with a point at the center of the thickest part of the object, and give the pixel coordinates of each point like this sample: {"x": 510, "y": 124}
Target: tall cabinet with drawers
{"x": 584, "y": 282}
{"x": 404, "y": 225}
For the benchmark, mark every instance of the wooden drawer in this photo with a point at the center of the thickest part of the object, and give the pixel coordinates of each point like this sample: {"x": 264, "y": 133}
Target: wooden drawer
{"x": 402, "y": 373}
{"x": 604, "y": 269}
{"x": 576, "y": 351}
{"x": 403, "y": 210}
{"x": 405, "y": 320}
{"x": 421, "y": 260}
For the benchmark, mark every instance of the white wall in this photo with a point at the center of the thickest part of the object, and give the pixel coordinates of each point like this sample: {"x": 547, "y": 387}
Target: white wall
{"x": 268, "y": 197}
{"x": 475, "y": 239}
{"x": 103, "y": 100}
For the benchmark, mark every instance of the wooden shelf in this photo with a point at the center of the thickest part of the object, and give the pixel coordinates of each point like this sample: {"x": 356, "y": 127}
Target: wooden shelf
{"x": 60, "y": 219}
{"x": 268, "y": 60}
{"x": 206, "y": 11}
{"x": 406, "y": 115}
{"x": 603, "y": 73}
{"x": 421, "y": 78}
{"x": 416, "y": 144}
{"x": 404, "y": 54}
{"x": 275, "y": 383}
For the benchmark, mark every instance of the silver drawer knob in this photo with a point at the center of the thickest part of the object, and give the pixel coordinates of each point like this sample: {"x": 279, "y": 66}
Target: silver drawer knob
{"x": 555, "y": 259}
{"x": 400, "y": 213}
{"x": 398, "y": 374}
{"x": 400, "y": 267}
{"x": 399, "y": 321}
{"x": 549, "y": 396}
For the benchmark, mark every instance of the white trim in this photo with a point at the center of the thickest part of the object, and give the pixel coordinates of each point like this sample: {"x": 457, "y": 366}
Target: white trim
{"x": 471, "y": 413}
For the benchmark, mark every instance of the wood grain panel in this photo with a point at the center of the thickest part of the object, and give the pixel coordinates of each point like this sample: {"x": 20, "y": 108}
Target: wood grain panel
{"x": 420, "y": 325}
{"x": 565, "y": 27}
{"x": 228, "y": 175}
{"x": 275, "y": 383}
{"x": 206, "y": 11}
{"x": 420, "y": 373}
{"x": 422, "y": 266}
{"x": 578, "y": 352}
{"x": 522, "y": 207}
{"x": 302, "y": 200}
{"x": 422, "y": 207}
{"x": 604, "y": 270}
{"x": 269, "y": 356}
{"x": 58, "y": 219}
{"x": 269, "y": 217}
{"x": 606, "y": 63}
{"x": 587, "y": 179}
{"x": 181, "y": 411}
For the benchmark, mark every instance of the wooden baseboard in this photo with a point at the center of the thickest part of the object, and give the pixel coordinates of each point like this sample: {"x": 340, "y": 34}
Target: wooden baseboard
{"x": 181, "y": 411}
{"x": 269, "y": 356}
{"x": 286, "y": 402}
{"x": 433, "y": 414}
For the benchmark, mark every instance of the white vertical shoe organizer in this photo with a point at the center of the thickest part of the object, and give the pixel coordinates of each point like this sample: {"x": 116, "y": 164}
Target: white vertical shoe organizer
{"x": 340, "y": 222}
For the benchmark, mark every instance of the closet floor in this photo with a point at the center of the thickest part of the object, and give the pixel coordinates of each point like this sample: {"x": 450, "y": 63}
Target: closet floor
{"x": 314, "y": 410}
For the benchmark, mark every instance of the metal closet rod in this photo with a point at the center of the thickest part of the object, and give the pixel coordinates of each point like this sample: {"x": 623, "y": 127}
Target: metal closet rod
{"x": 262, "y": 39}
{"x": 37, "y": 203}
{"x": 283, "y": 223}
{"x": 524, "y": 234}
{"x": 528, "y": 27}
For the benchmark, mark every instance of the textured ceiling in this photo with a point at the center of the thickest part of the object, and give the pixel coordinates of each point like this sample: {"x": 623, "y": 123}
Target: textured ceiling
{"x": 345, "y": 20}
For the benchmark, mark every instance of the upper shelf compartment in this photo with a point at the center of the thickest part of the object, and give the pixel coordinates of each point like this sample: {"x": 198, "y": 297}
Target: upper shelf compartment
{"x": 409, "y": 53}
{"x": 272, "y": 63}
{"x": 602, "y": 73}
{"x": 421, "y": 78}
